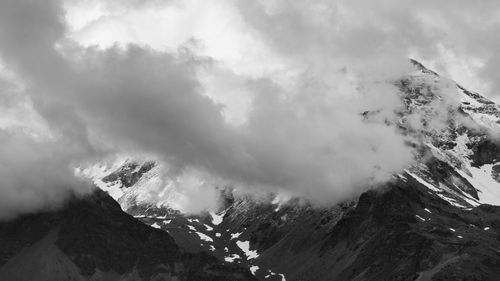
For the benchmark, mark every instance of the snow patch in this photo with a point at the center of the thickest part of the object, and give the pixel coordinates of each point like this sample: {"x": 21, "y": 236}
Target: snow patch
{"x": 422, "y": 219}
{"x": 204, "y": 237}
{"x": 217, "y": 218}
{"x": 99, "y": 171}
{"x": 451, "y": 201}
{"x": 232, "y": 258}
{"x": 245, "y": 247}
{"x": 235, "y": 235}
{"x": 254, "y": 269}
{"x": 440, "y": 190}
{"x": 425, "y": 183}
{"x": 489, "y": 189}
{"x": 113, "y": 189}
{"x": 274, "y": 274}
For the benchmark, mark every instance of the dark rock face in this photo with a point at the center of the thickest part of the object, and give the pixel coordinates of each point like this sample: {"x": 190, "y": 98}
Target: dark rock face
{"x": 107, "y": 240}
{"x": 397, "y": 232}
{"x": 151, "y": 210}
{"x": 440, "y": 171}
{"x": 96, "y": 236}
{"x": 130, "y": 173}
{"x": 485, "y": 152}
{"x": 394, "y": 244}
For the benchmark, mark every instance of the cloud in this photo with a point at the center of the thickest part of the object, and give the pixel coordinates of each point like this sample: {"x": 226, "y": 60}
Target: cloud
{"x": 363, "y": 29}
{"x": 36, "y": 174}
{"x": 280, "y": 111}
{"x": 453, "y": 37}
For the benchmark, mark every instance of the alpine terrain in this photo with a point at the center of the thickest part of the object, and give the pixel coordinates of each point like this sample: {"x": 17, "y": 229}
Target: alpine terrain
{"x": 439, "y": 219}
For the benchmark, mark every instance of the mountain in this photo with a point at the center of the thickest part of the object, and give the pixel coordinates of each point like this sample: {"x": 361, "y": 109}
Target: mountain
{"x": 93, "y": 239}
{"x": 437, "y": 220}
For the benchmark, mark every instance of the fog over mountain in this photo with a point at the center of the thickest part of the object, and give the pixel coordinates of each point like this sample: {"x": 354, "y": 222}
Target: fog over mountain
{"x": 259, "y": 95}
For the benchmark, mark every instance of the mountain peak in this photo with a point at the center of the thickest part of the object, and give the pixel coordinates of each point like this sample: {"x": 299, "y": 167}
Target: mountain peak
{"x": 422, "y": 68}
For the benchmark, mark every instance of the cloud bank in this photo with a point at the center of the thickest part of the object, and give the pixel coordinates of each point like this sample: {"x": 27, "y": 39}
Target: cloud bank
{"x": 270, "y": 97}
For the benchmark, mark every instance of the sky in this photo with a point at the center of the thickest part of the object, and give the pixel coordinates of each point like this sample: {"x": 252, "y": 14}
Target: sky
{"x": 260, "y": 95}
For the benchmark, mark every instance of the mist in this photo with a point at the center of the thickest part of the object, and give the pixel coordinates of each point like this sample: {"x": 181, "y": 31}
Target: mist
{"x": 281, "y": 110}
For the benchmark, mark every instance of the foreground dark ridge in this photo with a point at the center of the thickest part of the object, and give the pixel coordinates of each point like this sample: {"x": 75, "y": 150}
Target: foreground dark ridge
{"x": 93, "y": 239}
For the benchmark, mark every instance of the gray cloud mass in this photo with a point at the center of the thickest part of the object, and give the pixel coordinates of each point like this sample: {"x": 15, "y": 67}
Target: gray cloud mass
{"x": 305, "y": 136}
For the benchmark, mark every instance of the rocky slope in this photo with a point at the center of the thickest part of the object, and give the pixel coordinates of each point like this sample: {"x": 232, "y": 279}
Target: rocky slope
{"x": 93, "y": 239}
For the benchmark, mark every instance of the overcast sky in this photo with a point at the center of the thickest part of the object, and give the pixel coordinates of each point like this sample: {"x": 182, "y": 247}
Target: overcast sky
{"x": 254, "y": 94}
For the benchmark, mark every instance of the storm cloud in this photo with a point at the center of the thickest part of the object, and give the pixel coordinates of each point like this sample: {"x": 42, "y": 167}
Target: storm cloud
{"x": 285, "y": 115}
